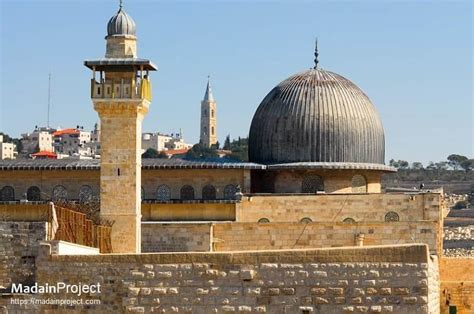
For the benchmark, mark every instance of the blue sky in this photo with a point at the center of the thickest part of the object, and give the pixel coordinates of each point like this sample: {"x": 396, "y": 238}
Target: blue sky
{"x": 413, "y": 59}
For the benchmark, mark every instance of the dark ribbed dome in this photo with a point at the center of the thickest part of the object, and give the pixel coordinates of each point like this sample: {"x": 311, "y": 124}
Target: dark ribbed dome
{"x": 316, "y": 116}
{"x": 121, "y": 24}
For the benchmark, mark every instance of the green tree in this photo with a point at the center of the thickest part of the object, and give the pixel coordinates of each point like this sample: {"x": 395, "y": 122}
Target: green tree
{"x": 403, "y": 164}
{"x": 467, "y": 165}
{"x": 227, "y": 142}
{"x": 150, "y": 153}
{"x": 199, "y": 151}
{"x": 417, "y": 165}
{"x": 455, "y": 160}
{"x": 442, "y": 165}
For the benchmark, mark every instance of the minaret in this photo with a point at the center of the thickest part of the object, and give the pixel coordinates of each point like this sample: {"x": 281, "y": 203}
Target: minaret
{"x": 208, "y": 118}
{"x": 121, "y": 95}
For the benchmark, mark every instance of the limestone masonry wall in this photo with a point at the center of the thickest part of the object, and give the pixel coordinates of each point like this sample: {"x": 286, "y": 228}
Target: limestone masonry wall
{"x": 457, "y": 284}
{"x": 393, "y": 279}
{"x": 272, "y": 236}
{"x": 19, "y": 244}
{"x": 159, "y": 237}
{"x": 337, "y": 207}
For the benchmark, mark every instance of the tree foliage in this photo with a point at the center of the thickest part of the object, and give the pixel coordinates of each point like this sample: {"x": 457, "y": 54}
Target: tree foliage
{"x": 151, "y": 153}
{"x": 200, "y": 151}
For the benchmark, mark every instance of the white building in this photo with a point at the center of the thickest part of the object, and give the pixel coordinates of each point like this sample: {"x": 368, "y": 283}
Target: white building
{"x": 40, "y": 140}
{"x": 72, "y": 142}
{"x": 162, "y": 142}
{"x": 7, "y": 150}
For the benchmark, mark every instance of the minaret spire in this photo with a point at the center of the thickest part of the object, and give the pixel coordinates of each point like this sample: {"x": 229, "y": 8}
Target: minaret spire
{"x": 316, "y": 54}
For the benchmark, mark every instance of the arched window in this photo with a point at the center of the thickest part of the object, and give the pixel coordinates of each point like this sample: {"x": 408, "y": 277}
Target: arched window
{"x": 263, "y": 220}
{"x": 391, "y": 217}
{"x": 33, "y": 193}
{"x": 85, "y": 194}
{"x": 209, "y": 192}
{"x": 187, "y": 192}
{"x": 212, "y": 130}
{"x": 348, "y": 220}
{"x": 7, "y": 193}
{"x": 212, "y": 113}
{"x": 143, "y": 193}
{"x": 163, "y": 193}
{"x": 229, "y": 192}
{"x": 306, "y": 220}
{"x": 359, "y": 184}
{"x": 312, "y": 184}
{"x": 59, "y": 193}
{"x": 205, "y": 130}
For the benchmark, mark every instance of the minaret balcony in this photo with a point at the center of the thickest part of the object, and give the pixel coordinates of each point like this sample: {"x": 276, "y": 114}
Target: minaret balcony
{"x": 125, "y": 89}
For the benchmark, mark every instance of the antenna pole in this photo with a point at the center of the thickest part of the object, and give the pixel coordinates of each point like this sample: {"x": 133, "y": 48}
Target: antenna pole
{"x": 49, "y": 97}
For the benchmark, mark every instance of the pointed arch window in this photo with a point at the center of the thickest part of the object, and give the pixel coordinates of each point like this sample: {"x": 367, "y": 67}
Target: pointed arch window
{"x": 85, "y": 194}
{"x": 33, "y": 194}
{"x": 7, "y": 193}
{"x": 359, "y": 184}
{"x": 209, "y": 192}
{"x": 163, "y": 193}
{"x": 229, "y": 192}
{"x": 59, "y": 193}
{"x": 187, "y": 193}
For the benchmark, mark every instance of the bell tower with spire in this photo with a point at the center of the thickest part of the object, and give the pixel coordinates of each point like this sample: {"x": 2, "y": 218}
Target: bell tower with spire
{"x": 121, "y": 95}
{"x": 208, "y": 118}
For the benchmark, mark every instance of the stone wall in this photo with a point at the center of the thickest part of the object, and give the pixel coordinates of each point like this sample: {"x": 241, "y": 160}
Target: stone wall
{"x": 457, "y": 284}
{"x": 367, "y": 279}
{"x": 337, "y": 207}
{"x": 272, "y": 236}
{"x": 19, "y": 243}
{"x": 177, "y": 237}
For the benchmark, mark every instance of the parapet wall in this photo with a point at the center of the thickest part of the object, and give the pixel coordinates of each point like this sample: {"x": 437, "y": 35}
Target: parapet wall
{"x": 337, "y": 207}
{"x": 396, "y": 279}
{"x": 457, "y": 284}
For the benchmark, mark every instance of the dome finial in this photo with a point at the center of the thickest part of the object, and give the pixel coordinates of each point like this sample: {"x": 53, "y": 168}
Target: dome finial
{"x": 121, "y": 4}
{"x": 316, "y": 54}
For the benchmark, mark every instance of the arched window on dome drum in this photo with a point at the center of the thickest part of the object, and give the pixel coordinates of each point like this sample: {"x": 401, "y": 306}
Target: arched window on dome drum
{"x": 33, "y": 194}
{"x": 187, "y": 193}
{"x": 7, "y": 193}
{"x": 359, "y": 184}
{"x": 229, "y": 192}
{"x": 209, "y": 192}
{"x": 85, "y": 194}
{"x": 312, "y": 184}
{"x": 59, "y": 193}
{"x": 306, "y": 220}
{"x": 392, "y": 216}
{"x": 163, "y": 193}
{"x": 263, "y": 220}
{"x": 348, "y": 220}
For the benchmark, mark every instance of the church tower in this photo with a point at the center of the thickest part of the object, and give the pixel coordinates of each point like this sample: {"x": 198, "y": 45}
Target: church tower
{"x": 121, "y": 95}
{"x": 208, "y": 118}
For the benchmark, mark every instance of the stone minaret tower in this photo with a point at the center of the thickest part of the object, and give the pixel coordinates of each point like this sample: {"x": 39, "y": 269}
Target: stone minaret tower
{"x": 121, "y": 94}
{"x": 208, "y": 118}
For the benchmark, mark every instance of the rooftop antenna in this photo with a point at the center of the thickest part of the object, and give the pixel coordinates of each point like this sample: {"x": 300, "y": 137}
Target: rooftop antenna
{"x": 316, "y": 54}
{"x": 49, "y": 98}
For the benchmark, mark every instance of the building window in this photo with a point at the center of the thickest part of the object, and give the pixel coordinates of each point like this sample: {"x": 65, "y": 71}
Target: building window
{"x": 163, "y": 193}
{"x": 349, "y": 221}
{"x": 359, "y": 184}
{"x": 212, "y": 113}
{"x": 142, "y": 193}
{"x": 391, "y": 217}
{"x": 7, "y": 193}
{"x": 59, "y": 193}
{"x": 229, "y": 192}
{"x": 212, "y": 130}
{"x": 306, "y": 220}
{"x": 312, "y": 184}
{"x": 85, "y": 194}
{"x": 33, "y": 193}
{"x": 263, "y": 220}
{"x": 209, "y": 192}
{"x": 187, "y": 192}
{"x": 205, "y": 130}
